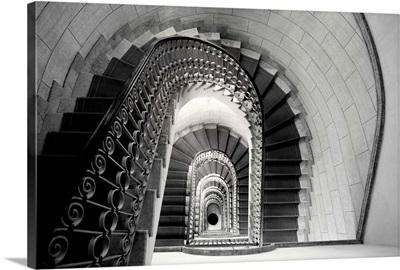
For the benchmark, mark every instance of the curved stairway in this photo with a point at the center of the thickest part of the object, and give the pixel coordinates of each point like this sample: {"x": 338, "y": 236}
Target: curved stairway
{"x": 100, "y": 84}
{"x": 174, "y": 212}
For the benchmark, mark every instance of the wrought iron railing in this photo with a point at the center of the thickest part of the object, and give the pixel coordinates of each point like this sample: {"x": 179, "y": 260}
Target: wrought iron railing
{"x": 117, "y": 161}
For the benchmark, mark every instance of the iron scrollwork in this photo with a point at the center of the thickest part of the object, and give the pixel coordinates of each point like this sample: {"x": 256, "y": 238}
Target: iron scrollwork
{"x": 108, "y": 200}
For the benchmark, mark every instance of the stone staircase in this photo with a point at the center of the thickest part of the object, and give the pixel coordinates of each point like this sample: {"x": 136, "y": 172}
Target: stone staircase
{"x": 174, "y": 213}
{"x": 99, "y": 78}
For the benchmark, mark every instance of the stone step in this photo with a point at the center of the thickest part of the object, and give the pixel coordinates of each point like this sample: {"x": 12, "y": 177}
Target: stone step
{"x": 243, "y": 189}
{"x": 233, "y": 141}
{"x": 243, "y": 198}
{"x": 278, "y": 117}
{"x": 285, "y": 151}
{"x": 174, "y": 200}
{"x": 100, "y": 64}
{"x": 232, "y": 46}
{"x": 65, "y": 143}
{"x": 133, "y": 56}
{"x": 176, "y": 243}
{"x": 171, "y": 232}
{"x": 283, "y": 174}
{"x": 81, "y": 122}
{"x": 243, "y": 211}
{"x": 243, "y": 173}
{"x": 119, "y": 69}
{"x": 249, "y": 60}
{"x": 242, "y": 161}
{"x": 120, "y": 50}
{"x": 240, "y": 152}
{"x": 82, "y": 85}
{"x": 243, "y": 181}
{"x": 282, "y": 85}
{"x": 173, "y": 210}
{"x": 281, "y": 196}
{"x": 101, "y": 46}
{"x": 243, "y": 224}
{"x": 180, "y": 156}
{"x": 144, "y": 40}
{"x": 243, "y": 164}
{"x": 175, "y": 165}
{"x": 264, "y": 76}
{"x": 276, "y": 161}
{"x": 93, "y": 104}
{"x": 166, "y": 221}
{"x": 176, "y": 183}
{"x": 189, "y": 32}
{"x": 288, "y": 182}
{"x": 279, "y": 236}
{"x": 243, "y": 231}
{"x": 177, "y": 175}
{"x": 105, "y": 86}
{"x": 176, "y": 191}
{"x": 184, "y": 147}
{"x": 279, "y": 210}
{"x": 243, "y": 217}
{"x": 285, "y": 133}
{"x": 213, "y": 37}
{"x": 273, "y": 97}
{"x": 166, "y": 33}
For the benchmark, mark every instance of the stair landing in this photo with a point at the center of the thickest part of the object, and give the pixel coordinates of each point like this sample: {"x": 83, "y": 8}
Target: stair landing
{"x": 228, "y": 251}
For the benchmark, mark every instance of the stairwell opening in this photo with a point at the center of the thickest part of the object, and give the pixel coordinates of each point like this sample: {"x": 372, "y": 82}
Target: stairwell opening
{"x": 208, "y": 120}
{"x": 212, "y": 219}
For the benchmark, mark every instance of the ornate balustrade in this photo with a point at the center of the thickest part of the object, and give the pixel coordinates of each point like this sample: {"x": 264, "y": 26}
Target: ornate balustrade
{"x": 215, "y": 199}
{"x": 226, "y": 196}
{"x": 203, "y": 206}
{"x": 196, "y": 191}
{"x": 99, "y": 227}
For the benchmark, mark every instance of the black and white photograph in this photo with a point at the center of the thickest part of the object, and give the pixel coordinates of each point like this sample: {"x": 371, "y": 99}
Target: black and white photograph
{"x": 164, "y": 134}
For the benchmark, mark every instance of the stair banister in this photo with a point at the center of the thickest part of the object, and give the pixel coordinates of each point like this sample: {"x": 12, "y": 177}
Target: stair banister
{"x": 127, "y": 128}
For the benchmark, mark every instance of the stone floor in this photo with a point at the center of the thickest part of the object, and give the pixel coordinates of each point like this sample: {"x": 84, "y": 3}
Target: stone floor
{"x": 299, "y": 253}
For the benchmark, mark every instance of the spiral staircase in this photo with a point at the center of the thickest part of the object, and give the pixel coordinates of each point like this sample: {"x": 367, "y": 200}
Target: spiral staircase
{"x": 174, "y": 214}
{"x": 285, "y": 161}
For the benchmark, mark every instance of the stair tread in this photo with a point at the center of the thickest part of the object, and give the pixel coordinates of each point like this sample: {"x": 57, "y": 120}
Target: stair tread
{"x": 284, "y": 160}
{"x": 280, "y": 230}
{"x": 284, "y": 121}
{"x": 119, "y": 69}
{"x": 133, "y": 55}
{"x": 283, "y": 216}
{"x": 166, "y": 33}
{"x": 65, "y": 142}
{"x": 231, "y": 43}
{"x": 282, "y": 142}
{"x": 276, "y": 202}
{"x": 250, "y": 53}
{"x": 278, "y": 189}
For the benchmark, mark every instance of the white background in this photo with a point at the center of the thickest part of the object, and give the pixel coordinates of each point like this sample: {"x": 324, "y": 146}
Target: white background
{"x": 13, "y": 117}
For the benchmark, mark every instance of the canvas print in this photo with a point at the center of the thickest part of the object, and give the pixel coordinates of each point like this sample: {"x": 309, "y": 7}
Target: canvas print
{"x": 161, "y": 131}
